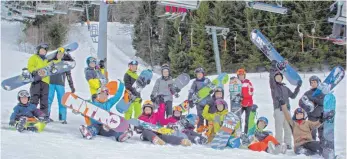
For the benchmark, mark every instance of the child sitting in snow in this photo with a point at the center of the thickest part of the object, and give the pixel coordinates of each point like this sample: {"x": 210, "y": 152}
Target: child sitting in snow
{"x": 96, "y": 128}
{"x": 264, "y": 141}
{"x": 149, "y": 116}
{"x": 216, "y": 118}
{"x": 25, "y": 114}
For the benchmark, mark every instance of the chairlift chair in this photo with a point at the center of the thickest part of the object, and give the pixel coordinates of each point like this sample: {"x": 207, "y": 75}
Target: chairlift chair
{"x": 94, "y": 33}
{"x": 95, "y": 2}
{"x": 193, "y": 4}
{"x": 44, "y": 6}
{"x": 77, "y": 7}
{"x": 274, "y": 8}
{"x": 340, "y": 17}
{"x": 28, "y": 12}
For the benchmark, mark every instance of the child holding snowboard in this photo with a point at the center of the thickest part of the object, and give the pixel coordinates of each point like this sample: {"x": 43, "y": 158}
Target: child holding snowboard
{"x": 246, "y": 95}
{"x": 94, "y": 76}
{"x": 281, "y": 94}
{"x": 94, "y": 127}
{"x": 215, "y": 118}
{"x": 317, "y": 112}
{"x": 57, "y": 84}
{"x": 264, "y": 141}
{"x": 199, "y": 83}
{"x": 26, "y": 116}
{"x": 302, "y": 128}
{"x": 148, "y": 115}
{"x": 162, "y": 88}
{"x": 130, "y": 78}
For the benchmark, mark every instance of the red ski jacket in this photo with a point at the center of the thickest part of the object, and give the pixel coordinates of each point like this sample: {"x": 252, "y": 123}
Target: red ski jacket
{"x": 247, "y": 93}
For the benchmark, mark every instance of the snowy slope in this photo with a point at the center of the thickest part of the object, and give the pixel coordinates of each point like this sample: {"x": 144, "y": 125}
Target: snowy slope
{"x": 64, "y": 141}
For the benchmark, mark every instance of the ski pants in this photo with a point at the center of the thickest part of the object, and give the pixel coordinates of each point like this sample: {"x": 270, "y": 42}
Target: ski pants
{"x": 309, "y": 148}
{"x": 262, "y": 145}
{"x": 282, "y": 125}
{"x": 191, "y": 134}
{"x": 173, "y": 140}
{"x": 60, "y": 92}
{"x": 97, "y": 129}
{"x": 248, "y": 111}
{"x": 320, "y": 134}
{"x": 134, "y": 107}
{"x": 168, "y": 108}
{"x": 199, "y": 109}
{"x": 39, "y": 94}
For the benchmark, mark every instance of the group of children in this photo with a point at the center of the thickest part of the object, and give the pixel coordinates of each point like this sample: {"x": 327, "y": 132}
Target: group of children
{"x": 213, "y": 108}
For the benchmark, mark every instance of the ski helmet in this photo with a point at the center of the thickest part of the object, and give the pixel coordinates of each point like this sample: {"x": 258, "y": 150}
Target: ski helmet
{"x": 278, "y": 73}
{"x": 263, "y": 119}
{"x": 199, "y": 70}
{"x": 299, "y": 110}
{"x": 219, "y": 89}
{"x": 133, "y": 62}
{"x": 177, "y": 108}
{"x": 314, "y": 78}
{"x": 147, "y": 103}
{"x": 221, "y": 102}
{"x": 42, "y": 46}
{"x": 23, "y": 93}
{"x": 61, "y": 50}
{"x": 165, "y": 67}
{"x": 90, "y": 59}
{"x": 191, "y": 118}
{"x": 241, "y": 71}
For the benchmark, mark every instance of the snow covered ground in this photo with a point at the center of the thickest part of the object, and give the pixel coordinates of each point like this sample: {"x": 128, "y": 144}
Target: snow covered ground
{"x": 65, "y": 141}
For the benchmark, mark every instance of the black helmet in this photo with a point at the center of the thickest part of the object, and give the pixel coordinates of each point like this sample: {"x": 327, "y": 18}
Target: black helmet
{"x": 314, "y": 78}
{"x": 42, "y": 46}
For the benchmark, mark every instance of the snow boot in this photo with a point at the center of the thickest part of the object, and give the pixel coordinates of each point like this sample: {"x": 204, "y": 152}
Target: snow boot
{"x": 63, "y": 121}
{"x": 125, "y": 136}
{"x": 186, "y": 142}
{"x": 289, "y": 147}
{"x": 85, "y": 132}
{"x": 272, "y": 148}
{"x": 158, "y": 141}
{"x": 283, "y": 148}
{"x": 200, "y": 140}
{"x": 20, "y": 126}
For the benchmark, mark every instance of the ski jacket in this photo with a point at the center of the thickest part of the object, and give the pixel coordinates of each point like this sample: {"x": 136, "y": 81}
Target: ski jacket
{"x": 279, "y": 91}
{"x": 130, "y": 78}
{"x": 318, "y": 102}
{"x": 93, "y": 77}
{"x": 167, "y": 121}
{"x": 59, "y": 79}
{"x": 196, "y": 86}
{"x": 35, "y": 63}
{"x": 161, "y": 87}
{"x": 302, "y": 131}
{"x": 155, "y": 117}
{"x": 217, "y": 119}
{"x": 247, "y": 93}
{"x": 29, "y": 110}
{"x": 261, "y": 135}
{"x": 106, "y": 105}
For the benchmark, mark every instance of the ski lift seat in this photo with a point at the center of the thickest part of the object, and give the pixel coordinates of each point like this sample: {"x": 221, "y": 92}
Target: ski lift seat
{"x": 192, "y": 4}
{"x": 267, "y": 7}
{"x": 340, "y": 17}
{"x": 76, "y": 8}
{"x": 43, "y": 6}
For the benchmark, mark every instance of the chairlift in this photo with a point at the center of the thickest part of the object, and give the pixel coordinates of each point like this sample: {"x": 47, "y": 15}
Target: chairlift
{"x": 340, "y": 17}
{"x": 95, "y": 2}
{"x": 274, "y": 8}
{"x": 28, "y": 12}
{"x": 77, "y": 7}
{"x": 193, "y": 4}
{"x": 44, "y": 6}
{"x": 18, "y": 17}
{"x": 94, "y": 32}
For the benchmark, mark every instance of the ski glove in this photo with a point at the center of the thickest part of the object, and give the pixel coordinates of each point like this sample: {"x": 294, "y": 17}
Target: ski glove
{"x": 152, "y": 98}
{"x": 72, "y": 89}
{"x": 160, "y": 99}
{"x": 191, "y": 104}
{"x": 299, "y": 83}
{"x": 327, "y": 116}
{"x": 12, "y": 123}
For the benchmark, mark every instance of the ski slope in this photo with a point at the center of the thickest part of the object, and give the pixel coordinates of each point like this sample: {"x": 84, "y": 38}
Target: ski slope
{"x": 65, "y": 141}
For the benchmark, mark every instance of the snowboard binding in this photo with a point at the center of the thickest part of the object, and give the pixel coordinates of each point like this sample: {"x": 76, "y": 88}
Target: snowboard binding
{"x": 26, "y": 74}
{"x": 281, "y": 65}
{"x": 308, "y": 105}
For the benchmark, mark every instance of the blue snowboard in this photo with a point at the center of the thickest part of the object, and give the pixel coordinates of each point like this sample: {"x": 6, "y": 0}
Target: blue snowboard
{"x": 328, "y": 132}
{"x": 220, "y": 141}
{"x": 265, "y": 46}
{"x": 335, "y": 77}
{"x": 68, "y": 48}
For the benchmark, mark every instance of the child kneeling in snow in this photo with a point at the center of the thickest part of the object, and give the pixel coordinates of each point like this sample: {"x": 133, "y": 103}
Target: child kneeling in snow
{"x": 216, "y": 118}
{"x": 264, "y": 141}
{"x": 184, "y": 125}
{"x": 26, "y": 116}
{"x": 96, "y": 128}
{"x": 153, "y": 118}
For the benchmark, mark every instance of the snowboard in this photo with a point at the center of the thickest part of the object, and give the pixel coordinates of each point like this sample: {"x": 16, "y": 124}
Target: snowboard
{"x": 68, "y": 48}
{"x": 150, "y": 126}
{"x": 118, "y": 88}
{"x": 27, "y": 77}
{"x": 328, "y": 132}
{"x": 86, "y": 108}
{"x": 235, "y": 87}
{"x": 143, "y": 80}
{"x": 335, "y": 77}
{"x": 205, "y": 91}
{"x": 179, "y": 82}
{"x": 230, "y": 124}
{"x": 271, "y": 53}
{"x": 307, "y": 105}
{"x": 184, "y": 106}
{"x": 251, "y": 121}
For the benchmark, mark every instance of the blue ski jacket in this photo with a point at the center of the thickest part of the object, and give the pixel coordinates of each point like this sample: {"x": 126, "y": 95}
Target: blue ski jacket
{"x": 29, "y": 110}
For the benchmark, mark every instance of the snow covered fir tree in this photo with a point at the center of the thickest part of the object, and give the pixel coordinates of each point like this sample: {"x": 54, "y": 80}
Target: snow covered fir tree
{"x": 173, "y": 79}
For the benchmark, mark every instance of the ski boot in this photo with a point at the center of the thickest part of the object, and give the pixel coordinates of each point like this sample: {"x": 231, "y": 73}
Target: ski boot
{"x": 20, "y": 126}
{"x": 271, "y": 148}
{"x": 283, "y": 148}
{"x": 200, "y": 140}
{"x": 186, "y": 142}
{"x": 158, "y": 141}
{"x": 125, "y": 136}
{"x": 63, "y": 121}
{"x": 85, "y": 132}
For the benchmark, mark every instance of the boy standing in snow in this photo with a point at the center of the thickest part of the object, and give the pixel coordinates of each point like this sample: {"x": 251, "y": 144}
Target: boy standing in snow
{"x": 94, "y": 127}
{"x": 199, "y": 83}
{"x": 130, "y": 78}
{"x": 94, "y": 76}
{"x": 162, "y": 88}
{"x": 25, "y": 112}
{"x": 246, "y": 96}
{"x": 317, "y": 112}
{"x": 57, "y": 84}
{"x": 40, "y": 87}
{"x": 280, "y": 96}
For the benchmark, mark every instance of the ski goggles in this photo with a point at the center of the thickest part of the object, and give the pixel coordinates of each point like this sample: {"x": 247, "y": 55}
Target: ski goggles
{"x": 177, "y": 108}
{"x": 103, "y": 90}
{"x": 133, "y": 62}
{"x": 218, "y": 89}
{"x": 23, "y": 93}
{"x": 299, "y": 110}
{"x": 199, "y": 70}
{"x": 92, "y": 61}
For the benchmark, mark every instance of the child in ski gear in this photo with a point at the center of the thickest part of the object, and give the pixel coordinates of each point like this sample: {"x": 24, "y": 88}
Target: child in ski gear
{"x": 235, "y": 86}
{"x": 317, "y": 112}
{"x": 57, "y": 84}
{"x": 148, "y": 115}
{"x": 130, "y": 78}
{"x": 246, "y": 95}
{"x": 302, "y": 128}
{"x": 215, "y": 118}
{"x": 280, "y": 95}
{"x": 40, "y": 87}
{"x": 218, "y": 94}
{"x": 264, "y": 141}
{"x": 162, "y": 88}
{"x": 199, "y": 83}
{"x": 94, "y": 76}
{"x": 94, "y": 127}
{"x": 24, "y": 111}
